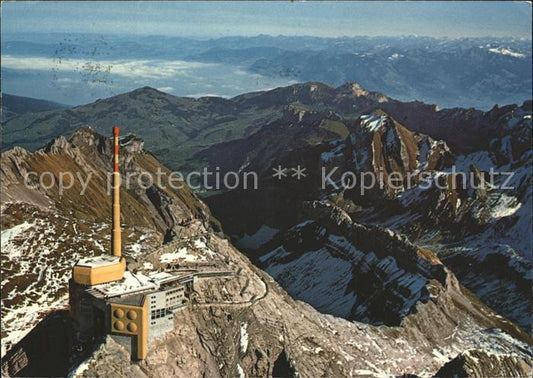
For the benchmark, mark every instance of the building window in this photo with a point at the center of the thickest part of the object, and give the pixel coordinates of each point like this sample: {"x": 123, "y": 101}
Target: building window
{"x": 158, "y": 313}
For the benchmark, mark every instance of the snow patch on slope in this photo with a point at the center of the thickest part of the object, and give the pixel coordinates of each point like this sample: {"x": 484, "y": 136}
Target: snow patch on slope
{"x": 9, "y": 248}
{"x": 318, "y": 279}
{"x": 505, "y": 206}
{"x": 505, "y": 51}
{"x": 372, "y": 122}
{"x": 180, "y": 254}
{"x": 244, "y": 337}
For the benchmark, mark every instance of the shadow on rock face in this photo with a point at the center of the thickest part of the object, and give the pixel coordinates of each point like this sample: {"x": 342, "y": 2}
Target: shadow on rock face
{"x": 49, "y": 350}
{"x": 282, "y": 367}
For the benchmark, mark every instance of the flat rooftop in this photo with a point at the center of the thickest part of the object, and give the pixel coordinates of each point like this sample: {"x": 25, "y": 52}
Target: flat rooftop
{"x": 98, "y": 261}
{"x": 163, "y": 277}
{"x": 131, "y": 283}
{"x": 134, "y": 283}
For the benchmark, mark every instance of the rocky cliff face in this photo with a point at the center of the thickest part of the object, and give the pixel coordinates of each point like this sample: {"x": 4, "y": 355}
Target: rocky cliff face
{"x": 246, "y": 325}
{"x": 354, "y": 271}
{"x": 475, "y": 363}
{"x": 474, "y": 213}
{"x": 44, "y": 230}
{"x": 472, "y": 209}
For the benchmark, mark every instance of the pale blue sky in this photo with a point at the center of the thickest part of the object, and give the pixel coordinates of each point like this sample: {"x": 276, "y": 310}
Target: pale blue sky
{"x": 327, "y": 19}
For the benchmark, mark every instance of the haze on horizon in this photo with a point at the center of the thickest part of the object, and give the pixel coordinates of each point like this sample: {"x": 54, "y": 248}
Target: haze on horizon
{"x": 321, "y": 19}
{"x": 77, "y": 52}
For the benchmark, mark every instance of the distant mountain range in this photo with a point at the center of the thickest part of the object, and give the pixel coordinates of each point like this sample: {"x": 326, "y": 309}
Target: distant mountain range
{"x": 184, "y": 132}
{"x": 13, "y": 106}
{"x": 468, "y": 72}
{"x": 473, "y": 73}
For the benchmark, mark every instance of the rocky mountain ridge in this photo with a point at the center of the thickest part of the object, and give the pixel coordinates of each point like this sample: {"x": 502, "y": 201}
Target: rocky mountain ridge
{"x": 243, "y": 326}
{"x": 443, "y": 199}
{"x": 195, "y": 125}
{"x": 13, "y": 106}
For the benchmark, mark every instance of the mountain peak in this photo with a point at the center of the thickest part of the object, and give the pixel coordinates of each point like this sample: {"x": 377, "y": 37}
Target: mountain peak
{"x": 149, "y": 91}
{"x": 146, "y": 89}
{"x": 356, "y": 89}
